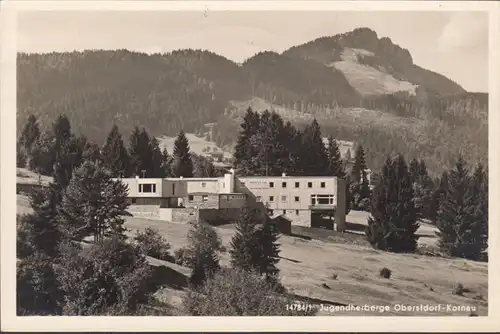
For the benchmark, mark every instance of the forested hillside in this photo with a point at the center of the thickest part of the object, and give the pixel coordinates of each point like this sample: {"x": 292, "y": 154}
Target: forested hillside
{"x": 431, "y": 117}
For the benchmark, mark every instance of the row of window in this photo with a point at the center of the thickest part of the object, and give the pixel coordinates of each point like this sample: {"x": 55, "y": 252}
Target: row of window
{"x": 271, "y": 212}
{"x": 315, "y": 199}
{"x": 297, "y": 184}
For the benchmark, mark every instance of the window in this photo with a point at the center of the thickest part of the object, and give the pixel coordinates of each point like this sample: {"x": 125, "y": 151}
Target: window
{"x": 297, "y": 185}
{"x": 283, "y": 198}
{"x": 147, "y": 188}
{"x": 284, "y": 212}
{"x": 204, "y": 198}
{"x": 271, "y": 198}
{"x": 322, "y": 184}
{"x": 190, "y": 198}
{"x": 203, "y": 184}
{"x": 134, "y": 200}
{"x": 313, "y": 201}
{"x": 283, "y": 184}
{"x": 309, "y": 184}
{"x": 297, "y": 199}
{"x": 173, "y": 189}
{"x": 297, "y": 212}
{"x": 271, "y": 184}
{"x": 270, "y": 212}
{"x": 259, "y": 199}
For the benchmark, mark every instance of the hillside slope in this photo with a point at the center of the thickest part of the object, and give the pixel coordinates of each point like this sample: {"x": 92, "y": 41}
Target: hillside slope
{"x": 364, "y": 89}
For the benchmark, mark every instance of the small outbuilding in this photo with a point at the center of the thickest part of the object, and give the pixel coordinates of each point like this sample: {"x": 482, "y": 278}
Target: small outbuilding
{"x": 282, "y": 223}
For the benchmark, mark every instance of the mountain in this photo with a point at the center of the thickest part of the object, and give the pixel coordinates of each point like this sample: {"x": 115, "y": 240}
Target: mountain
{"x": 361, "y": 87}
{"x": 373, "y": 65}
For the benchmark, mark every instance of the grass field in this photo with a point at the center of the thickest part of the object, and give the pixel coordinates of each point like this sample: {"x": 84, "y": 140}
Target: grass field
{"x": 326, "y": 268}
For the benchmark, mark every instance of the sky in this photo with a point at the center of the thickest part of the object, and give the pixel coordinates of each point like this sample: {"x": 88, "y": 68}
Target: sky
{"x": 454, "y": 44}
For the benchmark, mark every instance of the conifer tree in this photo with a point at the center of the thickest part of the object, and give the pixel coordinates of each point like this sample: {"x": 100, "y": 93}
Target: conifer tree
{"x": 394, "y": 223}
{"x": 454, "y": 221}
{"x": 114, "y": 153}
{"x": 477, "y": 198}
{"x": 29, "y": 136}
{"x": 156, "y": 163}
{"x": 93, "y": 204}
{"x": 61, "y": 129}
{"x": 243, "y": 150}
{"x": 271, "y": 157}
{"x": 313, "y": 152}
{"x": 182, "y": 165}
{"x": 139, "y": 152}
{"x": 245, "y": 248}
{"x": 359, "y": 165}
{"x": 39, "y": 231}
{"x": 166, "y": 163}
{"x": 267, "y": 237}
{"x": 43, "y": 155}
{"x": 335, "y": 165}
{"x": 204, "y": 248}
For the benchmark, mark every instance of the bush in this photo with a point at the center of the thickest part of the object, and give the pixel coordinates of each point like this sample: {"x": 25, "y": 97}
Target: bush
{"x": 459, "y": 290}
{"x": 235, "y": 292}
{"x": 183, "y": 256}
{"x": 37, "y": 289}
{"x": 111, "y": 277}
{"x": 153, "y": 244}
{"x": 385, "y": 272}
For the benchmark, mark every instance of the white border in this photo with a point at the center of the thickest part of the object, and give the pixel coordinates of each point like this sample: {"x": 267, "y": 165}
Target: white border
{"x": 10, "y": 322}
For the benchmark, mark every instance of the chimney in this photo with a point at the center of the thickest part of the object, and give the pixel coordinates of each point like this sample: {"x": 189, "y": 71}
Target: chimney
{"x": 283, "y": 174}
{"x": 137, "y": 177}
{"x": 180, "y": 177}
{"x": 231, "y": 171}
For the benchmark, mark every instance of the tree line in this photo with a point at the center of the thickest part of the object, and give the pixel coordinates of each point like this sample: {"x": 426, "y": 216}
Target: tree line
{"x": 457, "y": 206}
{"x": 58, "y": 151}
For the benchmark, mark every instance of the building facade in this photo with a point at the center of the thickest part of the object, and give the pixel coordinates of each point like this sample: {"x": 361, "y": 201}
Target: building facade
{"x": 304, "y": 200}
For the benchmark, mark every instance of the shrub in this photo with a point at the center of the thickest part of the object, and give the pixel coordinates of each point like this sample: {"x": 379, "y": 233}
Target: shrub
{"x": 111, "y": 277}
{"x": 459, "y": 290}
{"x": 385, "y": 272}
{"x": 236, "y": 292}
{"x": 153, "y": 244}
{"x": 183, "y": 256}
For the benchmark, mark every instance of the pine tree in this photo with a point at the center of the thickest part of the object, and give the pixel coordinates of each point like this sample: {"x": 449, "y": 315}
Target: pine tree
{"x": 29, "y": 136}
{"x": 61, "y": 128}
{"x": 335, "y": 165}
{"x": 114, "y": 153}
{"x": 436, "y": 196}
{"x": 477, "y": 203}
{"x": 204, "y": 248}
{"x": 43, "y": 155}
{"x": 139, "y": 152}
{"x": 394, "y": 223}
{"x": 156, "y": 163}
{"x": 39, "y": 231}
{"x": 359, "y": 165}
{"x": 267, "y": 237}
{"x": 244, "y": 244}
{"x": 243, "y": 150}
{"x": 93, "y": 204}
{"x": 182, "y": 164}
{"x": 454, "y": 221}
{"x": 313, "y": 152}
{"x": 271, "y": 157}
{"x": 166, "y": 163}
